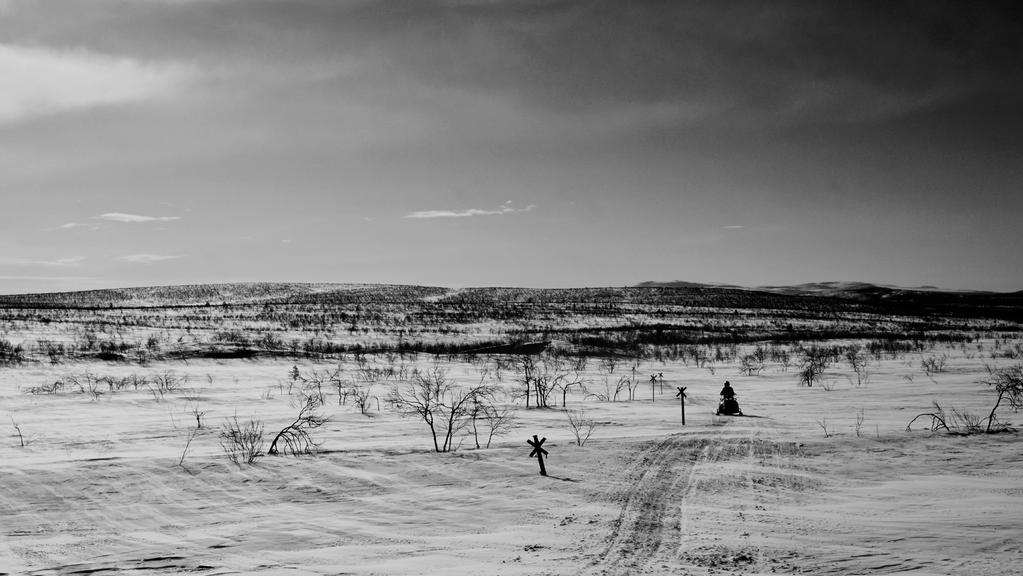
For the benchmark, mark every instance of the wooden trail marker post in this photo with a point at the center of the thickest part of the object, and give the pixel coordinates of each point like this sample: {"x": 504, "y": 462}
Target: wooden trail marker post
{"x": 682, "y": 398}
{"x": 538, "y": 451}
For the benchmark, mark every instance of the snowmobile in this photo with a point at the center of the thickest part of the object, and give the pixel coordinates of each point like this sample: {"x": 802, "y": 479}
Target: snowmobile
{"x": 729, "y": 407}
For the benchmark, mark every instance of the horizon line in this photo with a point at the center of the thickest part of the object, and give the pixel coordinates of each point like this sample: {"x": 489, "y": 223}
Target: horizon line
{"x": 642, "y": 284}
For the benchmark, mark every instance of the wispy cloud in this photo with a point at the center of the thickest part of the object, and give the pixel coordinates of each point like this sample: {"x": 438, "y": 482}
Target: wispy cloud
{"x": 73, "y": 225}
{"x": 146, "y": 258}
{"x": 734, "y": 227}
{"x": 58, "y": 263}
{"x": 505, "y": 208}
{"x": 39, "y": 81}
{"x": 122, "y": 217}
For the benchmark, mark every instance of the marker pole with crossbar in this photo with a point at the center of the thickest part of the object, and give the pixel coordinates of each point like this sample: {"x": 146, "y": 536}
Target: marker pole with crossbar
{"x": 538, "y": 451}
{"x": 682, "y": 398}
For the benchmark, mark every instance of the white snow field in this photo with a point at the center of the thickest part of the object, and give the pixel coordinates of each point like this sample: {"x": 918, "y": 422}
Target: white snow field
{"x": 104, "y": 484}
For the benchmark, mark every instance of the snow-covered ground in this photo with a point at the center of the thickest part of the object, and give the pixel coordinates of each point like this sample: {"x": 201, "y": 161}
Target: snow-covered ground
{"x": 106, "y": 486}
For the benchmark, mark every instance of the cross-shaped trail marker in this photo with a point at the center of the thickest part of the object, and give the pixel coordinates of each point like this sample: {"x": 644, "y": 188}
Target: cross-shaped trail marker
{"x": 538, "y": 451}
{"x": 682, "y": 398}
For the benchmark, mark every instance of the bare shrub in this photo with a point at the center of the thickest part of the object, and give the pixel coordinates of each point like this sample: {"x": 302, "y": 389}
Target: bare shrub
{"x": 198, "y": 414}
{"x": 580, "y": 362}
{"x": 542, "y": 377}
{"x": 611, "y": 393}
{"x": 162, "y": 384}
{"x": 782, "y": 357}
{"x": 11, "y": 353}
{"x": 242, "y": 442}
{"x": 55, "y": 351}
{"x": 188, "y": 443}
{"x": 485, "y": 417}
{"x": 608, "y": 364}
{"x": 566, "y": 382}
{"x": 751, "y": 365}
{"x": 938, "y": 419}
{"x": 87, "y": 383}
{"x": 136, "y": 381}
{"x": 823, "y": 423}
{"x": 314, "y": 382}
{"x": 964, "y": 422}
{"x": 545, "y": 383}
{"x": 813, "y": 364}
{"x": 624, "y": 383}
{"x": 633, "y": 385}
{"x": 444, "y": 407}
{"x": 360, "y": 394}
{"x": 604, "y": 396}
{"x": 1008, "y": 383}
{"x": 954, "y": 420}
{"x": 72, "y": 384}
{"x": 934, "y": 364}
{"x": 17, "y": 428}
{"x": 294, "y": 438}
{"x": 858, "y": 361}
{"x": 525, "y": 373}
{"x": 56, "y": 387}
{"x": 581, "y": 425}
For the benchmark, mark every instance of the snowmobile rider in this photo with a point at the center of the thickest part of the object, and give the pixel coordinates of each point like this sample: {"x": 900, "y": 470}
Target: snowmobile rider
{"x": 727, "y": 392}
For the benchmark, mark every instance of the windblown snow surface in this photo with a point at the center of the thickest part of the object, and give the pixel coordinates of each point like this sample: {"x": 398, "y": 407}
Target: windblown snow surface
{"x": 105, "y": 485}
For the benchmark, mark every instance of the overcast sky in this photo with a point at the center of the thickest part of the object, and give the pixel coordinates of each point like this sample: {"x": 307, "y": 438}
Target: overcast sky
{"x": 525, "y": 143}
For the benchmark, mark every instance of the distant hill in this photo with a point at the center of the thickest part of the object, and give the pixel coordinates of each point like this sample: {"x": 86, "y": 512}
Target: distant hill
{"x": 182, "y": 295}
{"x": 211, "y": 294}
{"x": 250, "y": 320}
{"x": 684, "y": 284}
{"x": 888, "y": 299}
{"x": 835, "y": 296}
{"x": 856, "y": 289}
{"x": 838, "y": 289}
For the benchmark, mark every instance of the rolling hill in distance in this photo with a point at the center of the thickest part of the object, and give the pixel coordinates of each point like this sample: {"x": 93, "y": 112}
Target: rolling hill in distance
{"x": 877, "y": 298}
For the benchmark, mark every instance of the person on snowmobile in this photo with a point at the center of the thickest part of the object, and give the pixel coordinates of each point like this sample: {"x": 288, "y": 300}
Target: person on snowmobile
{"x": 727, "y": 392}
{"x": 729, "y": 406}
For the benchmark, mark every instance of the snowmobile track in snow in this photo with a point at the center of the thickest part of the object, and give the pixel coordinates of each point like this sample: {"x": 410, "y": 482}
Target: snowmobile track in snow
{"x": 649, "y": 534}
